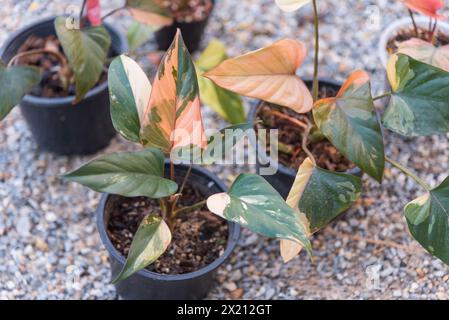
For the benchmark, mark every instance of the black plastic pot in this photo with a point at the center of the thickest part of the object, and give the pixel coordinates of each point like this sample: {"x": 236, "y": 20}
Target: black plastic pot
{"x": 146, "y": 285}
{"x": 58, "y": 125}
{"x": 284, "y": 177}
{"x": 192, "y": 32}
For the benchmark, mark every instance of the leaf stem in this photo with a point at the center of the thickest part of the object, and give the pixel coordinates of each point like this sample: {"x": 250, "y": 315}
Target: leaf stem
{"x": 305, "y": 138}
{"x": 414, "y": 22}
{"x": 408, "y": 173}
{"x": 382, "y": 96}
{"x": 110, "y": 13}
{"x": 190, "y": 208}
{"x": 57, "y": 55}
{"x": 317, "y": 48}
{"x": 83, "y": 6}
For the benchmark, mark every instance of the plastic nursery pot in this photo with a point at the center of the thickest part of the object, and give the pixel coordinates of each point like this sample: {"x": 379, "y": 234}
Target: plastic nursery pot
{"x": 402, "y": 24}
{"x": 192, "y": 32}
{"x": 57, "y": 125}
{"x": 147, "y": 285}
{"x": 284, "y": 177}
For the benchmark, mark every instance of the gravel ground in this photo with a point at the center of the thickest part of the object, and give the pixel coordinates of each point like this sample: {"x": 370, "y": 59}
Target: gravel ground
{"x": 49, "y": 247}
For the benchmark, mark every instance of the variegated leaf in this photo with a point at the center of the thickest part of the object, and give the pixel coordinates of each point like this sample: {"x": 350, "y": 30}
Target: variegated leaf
{"x": 268, "y": 74}
{"x": 87, "y": 50}
{"x": 93, "y": 12}
{"x": 419, "y": 104}
{"x": 426, "y": 52}
{"x": 318, "y": 197}
{"x": 173, "y": 117}
{"x": 129, "y": 90}
{"x": 350, "y": 122}
{"x": 150, "y": 12}
{"x": 253, "y": 203}
{"x": 427, "y": 7}
{"x": 150, "y": 241}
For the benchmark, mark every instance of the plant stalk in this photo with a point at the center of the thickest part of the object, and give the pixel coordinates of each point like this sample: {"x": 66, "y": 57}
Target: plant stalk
{"x": 315, "y": 86}
{"x": 382, "y": 96}
{"x": 414, "y": 22}
{"x": 190, "y": 208}
{"x": 83, "y": 6}
{"x": 110, "y": 13}
{"x": 305, "y": 138}
{"x": 58, "y": 56}
{"x": 408, "y": 173}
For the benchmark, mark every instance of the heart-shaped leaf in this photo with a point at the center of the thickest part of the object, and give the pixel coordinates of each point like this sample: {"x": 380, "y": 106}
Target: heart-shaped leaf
{"x": 173, "y": 116}
{"x": 150, "y": 241}
{"x": 428, "y": 220}
{"x": 291, "y": 5}
{"x": 150, "y": 12}
{"x": 426, "y": 7}
{"x": 268, "y": 74}
{"x": 225, "y": 103}
{"x": 93, "y": 12}
{"x": 350, "y": 123}
{"x": 253, "y": 203}
{"x": 129, "y": 90}
{"x": 15, "y": 82}
{"x": 87, "y": 51}
{"x": 319, "y": 196}
{"x": 426, "y": 52}
{"x": 138, "y": 34}
{"x": 419, "y": 105}
{"x": 129, "y": 174}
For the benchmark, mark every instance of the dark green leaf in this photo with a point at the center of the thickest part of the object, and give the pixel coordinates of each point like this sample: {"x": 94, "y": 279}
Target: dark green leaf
{"x": 15, "y": 82}
{"x": 87, "y": 51}
{"x": 419, "y": 105}
{"x": 149, "y": 243}
{"x": 128, "y": 174}
{"x": 428, "y": 220}
{"x": 350, "y": 123}
{"x": 253, "y": 203}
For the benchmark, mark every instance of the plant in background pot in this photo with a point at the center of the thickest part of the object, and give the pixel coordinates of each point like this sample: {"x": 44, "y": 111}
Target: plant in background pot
{"x": 418, "y": 106}
{"x": 159, "y": 220}
{"x": 425, "y": 38}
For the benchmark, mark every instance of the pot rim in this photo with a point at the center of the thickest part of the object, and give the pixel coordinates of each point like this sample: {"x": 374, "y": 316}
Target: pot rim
{"x": 399, "y": 24}
{"x": 280, "y": 167}
{"x": 234, "y": 234}
{"x": 58, "y": 101}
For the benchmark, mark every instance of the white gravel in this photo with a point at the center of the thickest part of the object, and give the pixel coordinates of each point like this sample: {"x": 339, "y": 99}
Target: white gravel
{"x": 49, "y": 247}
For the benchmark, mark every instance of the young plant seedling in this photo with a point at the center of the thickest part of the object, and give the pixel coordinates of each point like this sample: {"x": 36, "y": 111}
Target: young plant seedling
{"x": 85, "y": 42}
{"x": 165, "y": 118}
{"x": 418, "y": 106}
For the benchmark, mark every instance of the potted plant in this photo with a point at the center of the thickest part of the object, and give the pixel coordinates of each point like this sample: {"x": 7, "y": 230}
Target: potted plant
{"x": 57, "y": 69}
{"x": 427, "y": 33}
{"x": 418, "y": 106}
{"x": 158, "y": 218}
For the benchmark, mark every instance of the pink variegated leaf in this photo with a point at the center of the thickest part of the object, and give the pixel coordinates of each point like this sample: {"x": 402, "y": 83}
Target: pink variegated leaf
{"x": 426, "y": 52}
{"x": 426, "y": 7}
{"x": 172, "y": 118}
{"x": 93, "y": 12}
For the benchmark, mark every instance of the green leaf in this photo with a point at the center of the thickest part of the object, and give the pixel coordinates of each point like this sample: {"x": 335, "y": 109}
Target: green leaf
{"x": 326, "y": 195}
{"x": 129, "y": 174}
{"x": 419, "y": 104}
{"x": 150, "y": 12}
{"x": 15, "y": 82}
{"x": 350, "y": 123}
{"x": 226, "y": 104}
{"x": 138, "y": 34}
{"x": 129, "y": 90}
{"x": 87, "y": 51}
{"x": 253, "y": 203}
{"x": 428, "y": 220}
{"x": 149, "y": 243}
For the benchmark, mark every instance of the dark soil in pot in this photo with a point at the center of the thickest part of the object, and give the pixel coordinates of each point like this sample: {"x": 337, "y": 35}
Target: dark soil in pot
{"x": 403, "y": 35}
{"x": 291, "y": 155}
{"x": 201, "y": 242}
{"x": 58, "y": 125}
{"x": 191, "y": 21}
